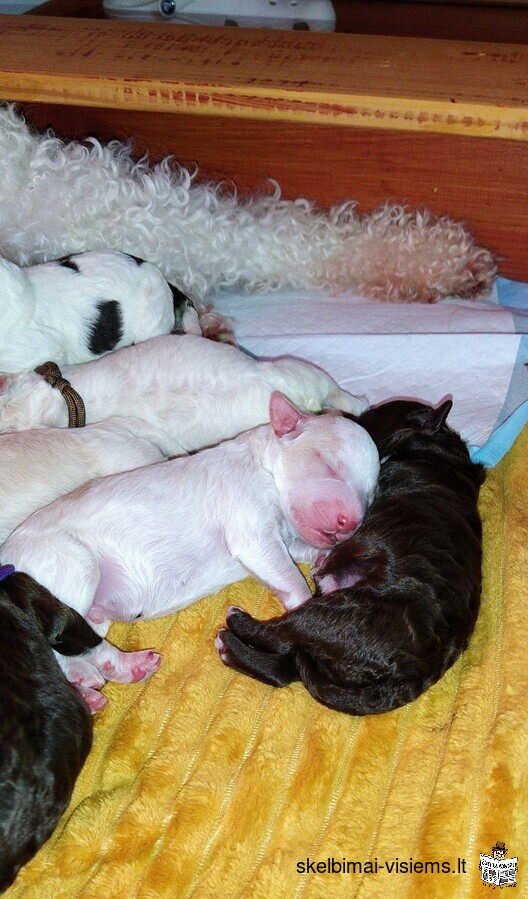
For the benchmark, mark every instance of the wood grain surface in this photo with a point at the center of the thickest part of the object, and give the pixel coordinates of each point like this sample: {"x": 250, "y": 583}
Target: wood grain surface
{"x": 359, "y": 81}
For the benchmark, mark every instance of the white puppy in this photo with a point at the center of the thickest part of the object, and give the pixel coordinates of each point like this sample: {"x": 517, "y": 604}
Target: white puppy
{"x": 190, "y": 391}
{"x": 38, "y": 466}
{"x": 76, "y": 309}
{"x": 148, "y": 542}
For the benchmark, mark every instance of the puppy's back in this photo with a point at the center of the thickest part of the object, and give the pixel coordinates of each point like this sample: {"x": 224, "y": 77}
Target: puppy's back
{"x": 45, "y": 726}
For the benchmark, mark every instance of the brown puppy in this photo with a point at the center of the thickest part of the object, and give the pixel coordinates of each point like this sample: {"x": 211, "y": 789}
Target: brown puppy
{"x": 396, "y": 603}
{"x": 45, "y": 725}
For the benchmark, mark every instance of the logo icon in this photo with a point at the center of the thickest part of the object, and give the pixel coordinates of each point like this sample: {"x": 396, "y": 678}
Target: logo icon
{"x": 496, "y": 869}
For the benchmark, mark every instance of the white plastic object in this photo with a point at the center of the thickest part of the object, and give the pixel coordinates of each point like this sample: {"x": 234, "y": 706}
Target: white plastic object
{"x": 307, "y": 15}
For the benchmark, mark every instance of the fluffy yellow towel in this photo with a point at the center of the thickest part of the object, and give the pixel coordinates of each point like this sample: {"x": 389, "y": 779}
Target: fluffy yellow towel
{"x": 204, "y": 783}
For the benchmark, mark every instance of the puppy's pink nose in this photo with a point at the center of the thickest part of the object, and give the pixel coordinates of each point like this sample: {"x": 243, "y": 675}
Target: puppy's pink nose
{"x": 346, "y": 524}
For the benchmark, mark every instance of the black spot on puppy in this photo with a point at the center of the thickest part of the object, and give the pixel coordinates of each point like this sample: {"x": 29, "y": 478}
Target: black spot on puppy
{"x": 137, "y": 259}
{"x": 68, "y": 262}
{"x": 107, "y": 328}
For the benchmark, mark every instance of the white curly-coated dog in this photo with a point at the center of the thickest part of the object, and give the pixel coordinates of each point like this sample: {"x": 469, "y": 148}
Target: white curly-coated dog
{"x": 80, "y": 307}
{"x": 61, "y": 197}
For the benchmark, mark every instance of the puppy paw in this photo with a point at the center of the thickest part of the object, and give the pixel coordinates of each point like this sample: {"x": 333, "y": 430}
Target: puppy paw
{"x": 146, "y": 665}
{"x": 82, "y": 674}
{"x": 93, "y": 699}
{"x": 326, "y": 584}
{"x": 215, "y": 327}
{"x": 239, "y": 622}
{"x": 233, "y": 611}
{"x": 319, "y": 563}
{"x": 220, "y": 645}
{"x": 129, "y": 667}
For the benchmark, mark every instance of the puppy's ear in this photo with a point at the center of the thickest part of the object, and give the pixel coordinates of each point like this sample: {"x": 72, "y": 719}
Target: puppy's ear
{"x": 431, "y": 419}
{"x": 285, "y": 417}
{"x": 439, "y": 415}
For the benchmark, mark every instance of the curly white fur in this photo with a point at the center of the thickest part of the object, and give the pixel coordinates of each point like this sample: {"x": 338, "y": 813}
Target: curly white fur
{"x": 66, "y": 197}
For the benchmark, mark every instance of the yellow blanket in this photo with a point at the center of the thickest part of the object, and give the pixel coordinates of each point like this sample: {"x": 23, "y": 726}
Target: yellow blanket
{"x": 204, "y": 783}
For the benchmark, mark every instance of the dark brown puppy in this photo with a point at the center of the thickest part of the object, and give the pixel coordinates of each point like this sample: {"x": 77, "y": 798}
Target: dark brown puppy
{"x": 396, "y": 603}
{"x": 45, "y": 725}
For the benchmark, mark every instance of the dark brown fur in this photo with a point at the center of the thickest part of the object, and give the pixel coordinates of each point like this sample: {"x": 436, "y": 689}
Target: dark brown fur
{"x": 404, "y": 589}
{"x": 45, "y": 725}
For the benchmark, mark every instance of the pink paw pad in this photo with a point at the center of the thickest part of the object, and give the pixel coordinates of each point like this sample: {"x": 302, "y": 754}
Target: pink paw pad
{"x": 319, "y": 563}
{"x": 93, "y": 699}
{"x": 219, "y": 644}
{"x": 128, "y": 667}
{"x": 86, "y": 678}
{"x": 146, "y": 663}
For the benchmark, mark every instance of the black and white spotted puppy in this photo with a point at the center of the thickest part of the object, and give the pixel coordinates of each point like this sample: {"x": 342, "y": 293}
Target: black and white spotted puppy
{"x": 81, "y": 307}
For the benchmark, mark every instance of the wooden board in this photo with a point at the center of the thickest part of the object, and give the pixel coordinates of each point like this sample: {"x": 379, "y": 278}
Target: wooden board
{"x": 395, "y": 84}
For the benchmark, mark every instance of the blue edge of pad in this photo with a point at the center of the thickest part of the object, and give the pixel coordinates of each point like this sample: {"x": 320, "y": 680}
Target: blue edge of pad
{"x": 503, "y": 437}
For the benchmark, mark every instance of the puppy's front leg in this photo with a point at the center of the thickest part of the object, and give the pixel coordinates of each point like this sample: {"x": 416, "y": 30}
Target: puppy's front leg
{"x": 98, "y": 621}
{"x": 270, "y": 562}
{"x": 302, "y": 552}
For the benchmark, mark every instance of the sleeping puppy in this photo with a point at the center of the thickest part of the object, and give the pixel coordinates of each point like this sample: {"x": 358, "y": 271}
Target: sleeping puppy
{"x": 45, "y": 725}
{"x": 38, "y": 466}
{"x": 184, "y": 391}
{"x": 149, "y": 542}
{"x": 80, "y": 307}
{"x": 396, "y": 603}
{"x": 190, "y": 392}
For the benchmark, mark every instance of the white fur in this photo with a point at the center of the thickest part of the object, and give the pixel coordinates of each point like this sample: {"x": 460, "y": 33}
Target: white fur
{"x": 61, "y": 197}
{"x": 48, "y": 310}
{"x": 190, "y": 391}
{"x": 38, "y": 466}
{"x": 146, "y": 543}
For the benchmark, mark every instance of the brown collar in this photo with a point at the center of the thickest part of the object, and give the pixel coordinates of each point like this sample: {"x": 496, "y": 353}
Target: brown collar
{"x": 76, "y": 411}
